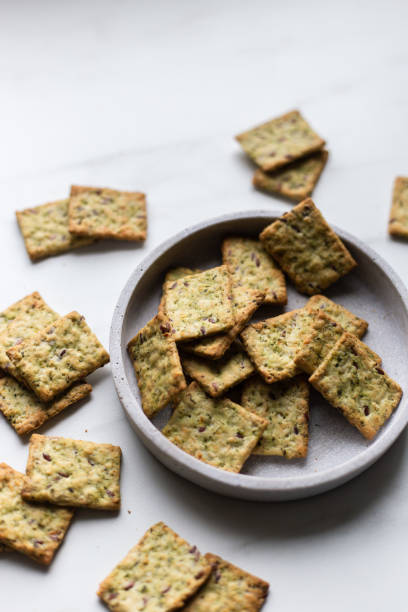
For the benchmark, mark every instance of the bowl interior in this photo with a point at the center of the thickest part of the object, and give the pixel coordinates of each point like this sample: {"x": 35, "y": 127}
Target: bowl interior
{"x": 368, "y": 292}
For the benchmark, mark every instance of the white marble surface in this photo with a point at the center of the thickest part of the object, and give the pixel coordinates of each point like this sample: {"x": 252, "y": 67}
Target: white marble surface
{"x": 148, "y": 95}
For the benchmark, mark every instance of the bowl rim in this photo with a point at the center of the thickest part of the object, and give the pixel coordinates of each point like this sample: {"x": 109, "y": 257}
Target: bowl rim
{"x": 247, "y": 486}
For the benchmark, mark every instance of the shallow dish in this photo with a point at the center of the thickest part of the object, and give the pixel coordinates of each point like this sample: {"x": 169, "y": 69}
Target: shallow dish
{"x": 337, "y": 452}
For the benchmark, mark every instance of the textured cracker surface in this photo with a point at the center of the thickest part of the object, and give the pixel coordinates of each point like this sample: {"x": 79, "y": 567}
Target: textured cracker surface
{"x": 172, "y": 275}
{"x": 349, "y": 321}
{"x": 352, "y": 381}
{"x": 199, "y": 305}
{"x": 251, "y": 267}
{"x": 73, "y": 473}
{"x": 229, "y": 589}
{"x": 25, "y": 412}
{"x": 20, "y": 307}
{"x": 295, "y": 181}
{"x": 157, "y": 575}
{"x": 32, "y": 529}
{"x": 218, "y": 432}
{"x": 398, "y": 223}
{"x": 61, "y": 354}
{"x": 277, "y": 142}
{"x": 244, "y": 304}
{"x": 273, "y": 344}
{"x": 157, "y": 366}
{"x": 107, "y": 213}
{"x": 45, "y": 230}
{"x": 216, "y": 377}
{"x": 23, "y": 327}
{"x": 324, "y": 334}
{"x": 307, "y": 249}
{"x": 285, "y": 405}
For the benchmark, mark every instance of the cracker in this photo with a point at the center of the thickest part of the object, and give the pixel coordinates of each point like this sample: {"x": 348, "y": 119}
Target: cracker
{"x": 16, "y": 309}
{"x": 218, "y": 432}
{"x": 25, "y": 412}
{"x": 307, "y": 249}
{"x": 285, "y": 405}
{"x": 229, "y": 589}
{"x": 199, "y": 305}
{"x": 158, "y": 574}
{"x": 244, "y": 304}
{"x": 175, "y": 274}
{"x": 324, "y": 334}
{"x": 58, "y": 356}
{"x": 349, "y": 321}
{"x": 398, "y": 223}
{"x": 295, "y": 181}
{"x": 157, "y": 366}
{"x": 274, "y": 343}
{"x": 251, "y": 267}
{"x": 32, "y": 529}
{"x": 280, "y": 141}
{"x": 45, "y": 230}
{"x": 69, "y": 472}
{"x": 216, "y": 377}
{"x": 97, "y": 212}
{"x": 26, "y": 325}
{"x": 351, "y": 381}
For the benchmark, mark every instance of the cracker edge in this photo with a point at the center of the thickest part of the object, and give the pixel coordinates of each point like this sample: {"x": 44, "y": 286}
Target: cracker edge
{"x": 395, "y": 227}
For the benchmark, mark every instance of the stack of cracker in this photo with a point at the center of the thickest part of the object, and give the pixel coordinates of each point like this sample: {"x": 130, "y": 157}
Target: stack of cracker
{"x": 164, "y": 572}
{"x": 202, "y": 343}
{"x": 89, "y": 214}
{"x": 289, "y": 154}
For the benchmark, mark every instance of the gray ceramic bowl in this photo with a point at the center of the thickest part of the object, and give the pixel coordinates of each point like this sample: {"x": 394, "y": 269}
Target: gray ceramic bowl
{"x": 337, "y": 452}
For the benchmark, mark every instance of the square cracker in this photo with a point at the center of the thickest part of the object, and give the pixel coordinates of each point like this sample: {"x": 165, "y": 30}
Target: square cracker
{"x": 250, "y": 266}
{"x": 398, "y": 223}
{"x": 295, "y": 181}
{"x": 349, "y": 321}
{"x": 352, "y": 381}
{"x": 58, "y": 356}
{"x": 229, "y": 589}
{"x": 32, "y": 529}
{"x": 218, "y": 432}
{"x": 25, "y": 412}
{"x": 277, "y": 142}
{"x": 99, "y": 212}
{"x": 199, "y": 305}
{"x": 16, "y": 309}
{"x": 216, "y": 377}
{"x": 307, "y": 249}
{"x": 274, "y": 343}
{"x": 69, "y": 472}
{"x": 26, "y": 325}
{"x": 324, "y": 334}
{"x": 175, "y": 274}
{"x": 244, "y": 303}
{"x": 45, "y": 230}
{"x": 157, "y": 366}
{"x": 285, "y": 405}
{"x": 158, "y": 574}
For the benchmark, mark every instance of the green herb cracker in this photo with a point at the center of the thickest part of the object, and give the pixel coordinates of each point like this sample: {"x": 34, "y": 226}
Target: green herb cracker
{"x": 348, "y": 321}
{"x": 398, "y": 223}
{"x": 280, "y": 141}
{"x": 69, "y": 472}
{"x": 307, "y": 249}
{"x": 45, "y": 230}
{"x": 58, "y": 356}
{"x": 20, "y": 307}
{"x": 97, "y": 212}
{"x": 218, "y": 432}
{"x": 32, "y": 529}
{"x": 285, "y": 405}
{"x": 174, "y": 274}
{"x": 157, "y": 575}
{"x": 216, "y": 377}
{"x": 157, "y": 366}
{"x": 229, "y": 589}
{"x": 351, "y": 380}
{"x": 25, "y": 412}
{"x": 250, "y": 267}
{"x": 199, "y": 305}
{"x": 295, "y": 181}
